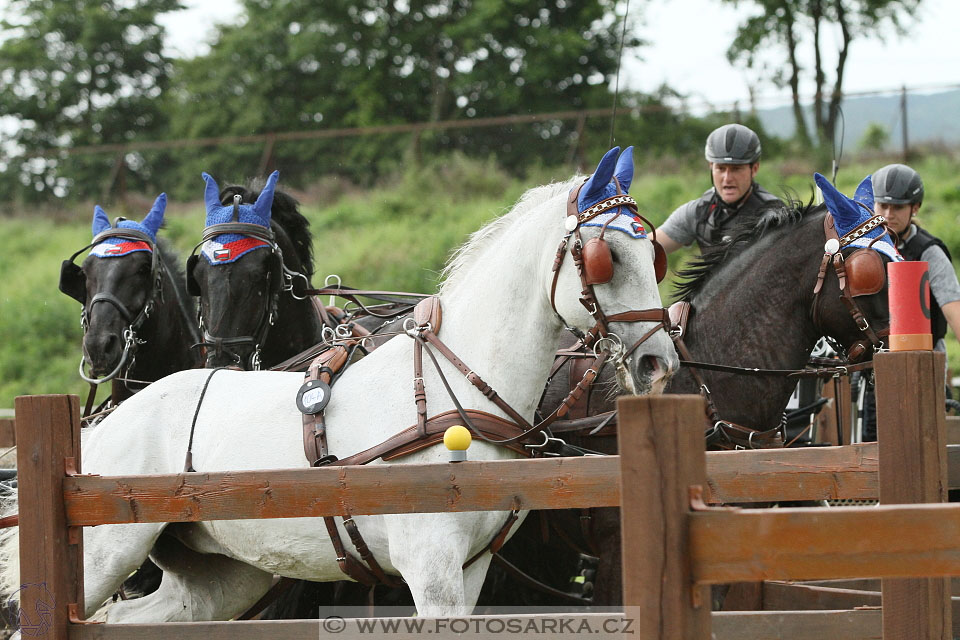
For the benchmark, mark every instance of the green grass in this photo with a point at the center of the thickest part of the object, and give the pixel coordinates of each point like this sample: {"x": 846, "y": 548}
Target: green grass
{"x": 395, "y": 236}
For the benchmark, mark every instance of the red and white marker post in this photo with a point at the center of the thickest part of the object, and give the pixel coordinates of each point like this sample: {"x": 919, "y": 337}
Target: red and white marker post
{"x": 909, "y": 295}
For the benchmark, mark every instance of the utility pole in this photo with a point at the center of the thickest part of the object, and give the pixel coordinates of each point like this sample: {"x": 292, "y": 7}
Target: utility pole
{"x": 903, "y": 125}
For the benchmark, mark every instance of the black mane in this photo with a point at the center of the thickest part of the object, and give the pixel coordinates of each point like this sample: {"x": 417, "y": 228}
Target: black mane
{"x": 285, "y": 213}
{"x": 174, "y": 266}
{"x": 695, "y": 274}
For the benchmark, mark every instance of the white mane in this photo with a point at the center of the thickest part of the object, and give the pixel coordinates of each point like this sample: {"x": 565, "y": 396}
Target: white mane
{"x": 480, "y": 239}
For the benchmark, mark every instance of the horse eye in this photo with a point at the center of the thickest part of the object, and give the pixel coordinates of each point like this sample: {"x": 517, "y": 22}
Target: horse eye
{"x": 144, "y": 270}
{"x": 613, "y": 256}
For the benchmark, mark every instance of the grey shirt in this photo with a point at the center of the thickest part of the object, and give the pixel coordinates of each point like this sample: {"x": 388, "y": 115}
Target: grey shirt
{"x": 944, "y": 286}
{"x": 681, "y": 225}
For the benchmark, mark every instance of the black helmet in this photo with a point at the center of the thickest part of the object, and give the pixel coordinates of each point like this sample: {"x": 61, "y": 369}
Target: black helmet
{"x": 897, "y": 184}
{"x": 732, "y": 144}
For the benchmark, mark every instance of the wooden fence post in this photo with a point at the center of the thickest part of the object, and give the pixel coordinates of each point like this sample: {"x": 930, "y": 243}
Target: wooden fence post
{"x": 661, "y": 456}
{"x": 8, "y": 437}
{"x": 51, "y": 556}
{"x": 911, "y": 433}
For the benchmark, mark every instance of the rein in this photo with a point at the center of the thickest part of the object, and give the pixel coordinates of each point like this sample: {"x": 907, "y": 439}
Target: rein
{"x": 723, "y": 432}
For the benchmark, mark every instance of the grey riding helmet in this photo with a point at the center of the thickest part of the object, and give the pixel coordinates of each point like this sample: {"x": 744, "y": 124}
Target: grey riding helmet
{"x": 733, "y": 144}
{"x": 897, "y": 184}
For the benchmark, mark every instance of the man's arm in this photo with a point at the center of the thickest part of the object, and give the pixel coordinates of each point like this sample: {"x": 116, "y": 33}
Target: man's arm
{"x": 679, "y": 229}
{"x": 670, "y": 245}
{"x": 951, "y": 311}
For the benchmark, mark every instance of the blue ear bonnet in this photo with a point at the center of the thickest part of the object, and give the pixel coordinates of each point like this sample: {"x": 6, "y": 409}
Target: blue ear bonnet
{"x": 600, "y": 186}
{"x": 849, "y": 213}
{"x": 229, "y": 247}
{"x": 116, "y": 247}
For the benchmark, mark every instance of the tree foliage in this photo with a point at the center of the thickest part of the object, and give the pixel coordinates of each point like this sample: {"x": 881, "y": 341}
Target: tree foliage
{"x": 298, "y": 64}
{"x": 79, "y": 73}
{"x": 797, "y": 28}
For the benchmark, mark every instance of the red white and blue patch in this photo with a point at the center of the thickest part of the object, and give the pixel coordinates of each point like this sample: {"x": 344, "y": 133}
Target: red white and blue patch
{"x": 117, "y": 247}
{"x": 621, "y": 220}
{"x": 230, "y": 247}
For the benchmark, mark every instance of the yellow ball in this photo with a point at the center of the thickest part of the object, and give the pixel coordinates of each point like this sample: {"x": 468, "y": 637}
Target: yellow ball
{"x": 457, "y": 438}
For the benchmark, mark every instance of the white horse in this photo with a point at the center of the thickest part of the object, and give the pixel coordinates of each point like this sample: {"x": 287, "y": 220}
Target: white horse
{"x": 498, "y": 319}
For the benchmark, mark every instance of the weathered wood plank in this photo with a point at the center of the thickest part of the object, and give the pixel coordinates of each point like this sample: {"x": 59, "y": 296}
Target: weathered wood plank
{"x": 51, "y": 568}
{"x": 793, "y": 625}
{"x": 953, "y": 431}
{"x": 663, "y": 436}
{"x": 735, "y": 476}
{"x": 815, "y": 473}
{"x": 798, "y": 625}
{"x": 464, "y": 486}
{"x": 788, "y": 596}
{"x": 913, "y": 469}
{"x": 590, "y": 625}
{"x": 8, "y": 434}
{"x": 743, "y": 545}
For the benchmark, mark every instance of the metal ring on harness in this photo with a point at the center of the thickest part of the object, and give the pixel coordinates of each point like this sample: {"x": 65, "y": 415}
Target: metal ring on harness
{"x": 326, "y": 284}
{"x": 129, "y": 338}
{"x": 290, "y": 277}
{"x": 614, "y": 350}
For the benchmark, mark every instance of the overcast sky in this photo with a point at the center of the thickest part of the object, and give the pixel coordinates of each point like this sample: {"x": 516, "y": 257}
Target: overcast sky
{"x": 688, "y": 43}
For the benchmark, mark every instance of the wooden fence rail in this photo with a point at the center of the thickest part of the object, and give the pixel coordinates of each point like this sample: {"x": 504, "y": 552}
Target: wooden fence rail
{"x": 675, "y": 545}
{"x": 664, "y": 441}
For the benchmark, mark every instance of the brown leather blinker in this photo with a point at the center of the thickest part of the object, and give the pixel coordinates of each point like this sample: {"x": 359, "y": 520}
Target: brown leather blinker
{"x": 659, "y": 261}
{"x": 865, "y": 272}
{"x": 597, "y": 261}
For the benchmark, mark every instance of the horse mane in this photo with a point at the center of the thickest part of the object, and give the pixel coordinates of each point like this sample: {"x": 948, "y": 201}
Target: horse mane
{"x": 744, "y": 234}
{"x": 285, "y": 213}
{"x": 487, "y": 234}
{"x": 174, "y": 266}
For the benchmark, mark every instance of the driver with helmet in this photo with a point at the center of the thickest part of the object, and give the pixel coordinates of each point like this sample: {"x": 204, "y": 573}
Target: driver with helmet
{"x": 897, "y": 195}
{"x": 733, "y": 152}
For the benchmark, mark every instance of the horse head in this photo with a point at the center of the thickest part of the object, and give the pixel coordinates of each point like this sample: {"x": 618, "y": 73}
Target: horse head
{"x": 855, "y": 313}
{"x": 239, "y": 272}
{"x": 119, "y": 284}
{"x": 617, "y": 264}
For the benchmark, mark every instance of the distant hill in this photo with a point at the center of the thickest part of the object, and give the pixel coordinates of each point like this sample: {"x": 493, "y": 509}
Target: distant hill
{"x": 930, "y": 118}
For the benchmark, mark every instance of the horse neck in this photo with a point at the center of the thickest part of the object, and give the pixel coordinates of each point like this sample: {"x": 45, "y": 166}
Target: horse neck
{"x": 498, "y": 319}
{"x": 170, "y": 331}
{"x": 297, "y": 326}
{"x": 756, "y": 313}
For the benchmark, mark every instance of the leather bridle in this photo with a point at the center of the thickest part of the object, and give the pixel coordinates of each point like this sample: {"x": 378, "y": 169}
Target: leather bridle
{"x": 725, "y": 433}
{"x": 833, "y": 254}
{"x": 72, "y": 273}
{"x": 279, "y": 278}
{"x": 586, "y": 257}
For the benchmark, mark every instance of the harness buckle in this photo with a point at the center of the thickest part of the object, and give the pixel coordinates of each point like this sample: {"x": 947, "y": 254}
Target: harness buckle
{"x": 862, "y": 323}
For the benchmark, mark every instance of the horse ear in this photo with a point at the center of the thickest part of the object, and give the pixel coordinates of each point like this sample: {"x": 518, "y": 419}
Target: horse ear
{"x": 592, "y": 191}
{"x": 624, "y": 170}
{"x": 864, "y": 194}
{"x": 844, "y": 211}
{"x": 264, "y": 202}
{"x": 211, "y": 194}
{"x": 100, "y": 221}
{"x": 154, "y": 219}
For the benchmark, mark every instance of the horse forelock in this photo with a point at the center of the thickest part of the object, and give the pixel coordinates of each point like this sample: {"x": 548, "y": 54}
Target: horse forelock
{"x": 536, "y": 201}
{"x": 285, "y": 215}
{"x": 695, "y": 275}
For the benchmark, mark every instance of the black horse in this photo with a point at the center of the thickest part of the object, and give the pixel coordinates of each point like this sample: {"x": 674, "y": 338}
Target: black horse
{"x": 138, "y": 321}
{"x": 247, "y": 278}
{"x": 753, "y": 305}
{"x": 137, "y": 318}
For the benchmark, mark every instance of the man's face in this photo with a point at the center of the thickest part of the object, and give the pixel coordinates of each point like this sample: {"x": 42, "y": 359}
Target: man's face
{"x": 898, "y": 215}
{"x": 732, "y": 181}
